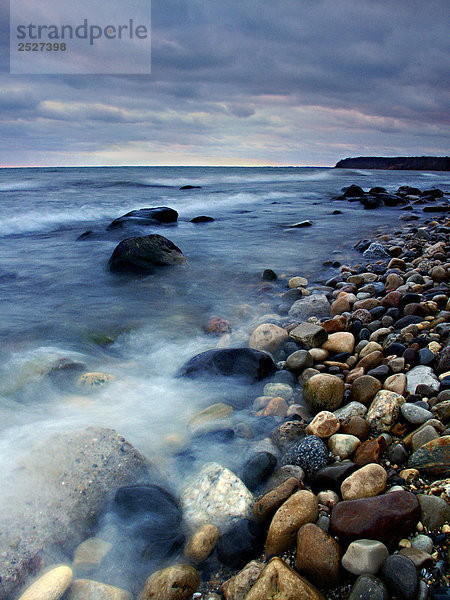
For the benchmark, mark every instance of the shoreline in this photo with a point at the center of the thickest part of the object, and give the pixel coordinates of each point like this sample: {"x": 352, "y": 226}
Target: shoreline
{"x": 283, "y": 407}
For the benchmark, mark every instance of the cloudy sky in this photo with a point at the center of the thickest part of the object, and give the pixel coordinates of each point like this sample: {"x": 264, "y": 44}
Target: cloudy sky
{"x": 245, "y": 82}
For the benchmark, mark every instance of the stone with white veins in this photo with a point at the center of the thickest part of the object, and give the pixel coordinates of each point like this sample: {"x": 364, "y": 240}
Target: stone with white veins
{"x": 216, "y": 496}
{"x": 421, "y": 375}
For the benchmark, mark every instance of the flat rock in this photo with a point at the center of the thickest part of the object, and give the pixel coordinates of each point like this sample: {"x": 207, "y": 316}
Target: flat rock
{"x": 50, "y": 586}
{"x": 308, "y": 335}
{"x": 318, "y": 555}
{"x": 324, "y": 392}
{"x": 316, "y": 305}
{"x": 366, "y": 482}
{"x": 248, "y": 363}
{"x": 300, "y": 508}
{"x": 71, "y": 478}
{"x": 396, "y": 383}
{"x": 387, "y": 518}
{"x": 216, "y": 496}
{"x": 384, "y": 410}
{"x": 178, "y": 582}
{"x": 433, "y": 457}
{"x": 280, "y": 582}
{"x": 364, "y": 557}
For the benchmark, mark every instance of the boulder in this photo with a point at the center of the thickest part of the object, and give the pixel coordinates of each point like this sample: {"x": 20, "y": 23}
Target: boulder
{"x": 243, "y": 541}
{"x": 216, "y": 496}
{"x": 324, "y": 425}
{"x": 143, "y": 254}
{"x": 387, "y": 518}
{"x": 401, "y": 577}
{"x": 62, "y": 487}
{"x": 240, "y": 362}
{"x": 272, "y": 500}
{"x": 145, "y": 216}
{"x": 310, "y": 454}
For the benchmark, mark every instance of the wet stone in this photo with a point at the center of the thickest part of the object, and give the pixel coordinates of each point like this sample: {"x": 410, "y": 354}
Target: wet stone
{"x": 242, "y": 542}
{"x": 433, "y": 457}
{"x": 258, "y": 469}
{"x": 364, "y": 557}
{"x": 318, "y": 555}
{"x": 415, "y": 414}
{"x": 310, "y": 454}
{"x": 401, "y": 577}
{"x": 369, "y": 587}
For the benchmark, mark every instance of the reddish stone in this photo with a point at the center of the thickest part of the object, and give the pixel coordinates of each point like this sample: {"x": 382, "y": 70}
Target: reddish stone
{"x": 399, "y": 429}
{"x": 357, "y": 426}
{"x": 415, "y": 309}
{"x": 370, "y": 451}
{"x": 335, "y": 324}
{"x": 391, "y": 299}
{"x": 218, "y": 326}
{"x": 387, "y": 518}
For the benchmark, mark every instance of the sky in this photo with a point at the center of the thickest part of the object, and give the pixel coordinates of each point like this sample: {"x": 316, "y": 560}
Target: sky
{"x": 248, "y": 82}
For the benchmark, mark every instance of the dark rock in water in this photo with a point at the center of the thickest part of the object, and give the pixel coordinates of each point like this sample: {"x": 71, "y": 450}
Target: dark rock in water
{"x": 337, "y": 212}
{"x": 145, "y": 216}
{"x": 142, "y": 254}
{"x": 362, "y": 245}
{"x": 369, "y": 587}
{"x": 392, "y": 199}
{"x": 202, "y": 219}
{"x": 310, "y": 454}
{"x": 85, "y": 235}
{"x": 242, "y": 542}
{"x": 433, "y": 457}
{"x": 257, "y": 469}
{"x": 439, "y": 208}
{"x": 217, "y": 436}
{"x": 241, "y": 362}
{"x": 440, "y": 594}
{"x": 407, "y": 190}
{"x": 371, "y": 203}
{"x": 434, "y": 192}
{"x": 401, "y": 577}
{"x": 64, "y": 371}
{"x": 377, "y": 190}
{"x": 191, "y": 187}
{"x": 331, "y": 476}
{"x": 352, "y": 191}
{"x": 306, "y": 223}
{"x": 387, "y": 518}
{"x": 149, "y": 513}
{"x": 269, "y": 275}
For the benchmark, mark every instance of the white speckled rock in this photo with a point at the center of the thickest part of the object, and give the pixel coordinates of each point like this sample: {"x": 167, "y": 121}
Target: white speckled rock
{"x": 421, "y": 374}
{"x": 383, "y": 411}
{"x": 50, "y": 586}
{"x": 216, "y": 496}
{"x": 364, "y": 556}
{"x": 343, "y": 445}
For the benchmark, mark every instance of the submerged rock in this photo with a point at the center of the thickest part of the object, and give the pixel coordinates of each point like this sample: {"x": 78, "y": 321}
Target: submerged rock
{"x": 51, "y": 585}
{"x": 315, "y": 305}
{"x": 142, "y": 254}
{"x": 178, "y": 582}
{"x": 64, "y": 485}
{"x": 145, "y": 216}
{"x": 216, "y": 496}
{"x": 241, "y": 362}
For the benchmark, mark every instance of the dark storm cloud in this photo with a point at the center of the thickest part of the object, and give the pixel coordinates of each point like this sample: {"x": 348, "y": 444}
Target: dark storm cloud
{"x": 290, "y": 82}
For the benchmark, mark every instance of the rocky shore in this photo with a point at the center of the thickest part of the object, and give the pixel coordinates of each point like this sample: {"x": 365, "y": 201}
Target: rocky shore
{"x": 343, "y": 487}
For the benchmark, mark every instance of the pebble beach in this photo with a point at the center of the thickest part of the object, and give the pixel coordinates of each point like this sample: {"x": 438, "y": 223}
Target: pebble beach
{"x": 321, "y": 472}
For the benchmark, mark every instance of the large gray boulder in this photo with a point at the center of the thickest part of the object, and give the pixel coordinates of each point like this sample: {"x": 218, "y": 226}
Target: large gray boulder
{"x": 143, "y": 254}
{"x": 52, "y": 500}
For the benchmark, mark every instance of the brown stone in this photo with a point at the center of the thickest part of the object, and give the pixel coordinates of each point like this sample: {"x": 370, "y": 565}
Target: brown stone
{"x": 383, "y": 411}
{"x": 340, "y": 342}
{"x": 280, "y": 582}
{"x": 392, "y": 299}
{"x": 324, "y": 425}
{"x": 318, "y": 555}
{"x": 178, "y": 582}
{"x": 88, "y": 589}
{"x": 396, "y": 383}
{"x": 202, "y": 543}
{"x": 50, "y": 586}
{"x": 362, "y": 315}
{"x": 355, "y": 426}
{"x": 365, "y": 388}
{"x": 271, "y": 502}
{"x": 268, "y": 337}
{"x": 300, "y": 508}
{"x": 276, "y": 407}
{"x": 366, "y": 482}
{"x": 367, "y": 304}
{"x": 370, "y": 451}
{"x": 339, "y": 306}
{"x": 388, "y": 518}
{"x": 335, "y": 324}
{"x": 324, "y": 392}
{"x": 308, "y": 335}
{"x": 238, "y": 586}
{"x": 371, "y": 360}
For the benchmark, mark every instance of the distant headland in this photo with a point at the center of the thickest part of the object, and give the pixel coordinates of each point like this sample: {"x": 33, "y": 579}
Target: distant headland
{"x": 401, "y": 163}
